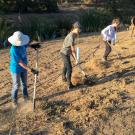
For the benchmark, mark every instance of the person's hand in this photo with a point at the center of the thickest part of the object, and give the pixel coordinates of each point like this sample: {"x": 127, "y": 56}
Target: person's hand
{"x": 35, "y": 45}
{"x": 34, "y": 71}
{"x": 76, "y": 62}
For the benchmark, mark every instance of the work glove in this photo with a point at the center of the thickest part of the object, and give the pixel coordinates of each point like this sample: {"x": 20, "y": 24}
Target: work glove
{"x": 35, "y": 45}
{"x": 76, "y": 62}
{"x": 34, "y": 71}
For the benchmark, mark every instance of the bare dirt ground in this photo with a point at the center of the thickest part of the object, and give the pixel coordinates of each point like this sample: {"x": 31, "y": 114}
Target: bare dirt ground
{"x": 107, "y": 108}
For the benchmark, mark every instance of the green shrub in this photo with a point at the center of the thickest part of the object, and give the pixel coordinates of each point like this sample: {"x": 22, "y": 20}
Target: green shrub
{"x": 63, "y": 25}
{"x": 6, "y": 29}
{"x": 25, "y": 6}
{"x": 51, "y": 5}
{"x": 94, "y": 20}
{"x": 47, "y": 28}
{"x": 126, "y": 20}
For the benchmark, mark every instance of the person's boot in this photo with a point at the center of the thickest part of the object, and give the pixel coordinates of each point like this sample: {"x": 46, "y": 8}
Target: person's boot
{"x": 14, "y": 104}
{"x": 71, "y": 86}
{"x": 26, "y": 99}
{"x": 64, "y": 79}
{"x": 104, "y": 59}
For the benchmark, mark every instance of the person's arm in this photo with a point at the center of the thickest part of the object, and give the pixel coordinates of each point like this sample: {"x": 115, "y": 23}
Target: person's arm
{"x": 35, "y": 45}
{"x": 104, "y": 33}
{"x": 113, "y": 41}
{"x": 132, "y": 30}
{"x": 73, "y": 51}
{"x": 16, "y": 57}
{"x": 24, "y": 66}
{"x": 31, "y": 70}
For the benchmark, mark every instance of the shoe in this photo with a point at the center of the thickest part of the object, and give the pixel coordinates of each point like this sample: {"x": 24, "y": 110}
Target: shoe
{"x": 26, "y": 99}
{"x": 104, "y": 60}
{"x": 64, "y": 79}
{"x": 14, "y": 104}
{"x": 71, "y": 86}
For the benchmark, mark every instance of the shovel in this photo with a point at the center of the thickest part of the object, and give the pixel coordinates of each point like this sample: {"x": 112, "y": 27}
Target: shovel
{"x": 87, "y": 80}
{"x": 36, "y": 47}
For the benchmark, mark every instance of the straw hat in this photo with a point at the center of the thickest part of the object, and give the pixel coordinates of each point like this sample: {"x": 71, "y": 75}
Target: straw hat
{"x": 19, "y": 39}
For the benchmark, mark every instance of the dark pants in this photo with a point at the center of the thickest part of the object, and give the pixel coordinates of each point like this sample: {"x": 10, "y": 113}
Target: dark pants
{"x": 67, "y": 69}
{"x": 108, "y": 49}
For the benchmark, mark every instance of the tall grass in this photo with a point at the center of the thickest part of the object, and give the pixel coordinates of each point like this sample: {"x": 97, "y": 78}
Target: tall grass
{"x": 6, "y": 28}
{"x": 46, "y": 29}
{"x": 94, "y": 20}
{"x": 50, "y": 28}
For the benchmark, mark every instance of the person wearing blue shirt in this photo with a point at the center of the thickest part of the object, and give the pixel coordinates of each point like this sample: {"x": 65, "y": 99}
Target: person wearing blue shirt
{"x": 18, "y": 64}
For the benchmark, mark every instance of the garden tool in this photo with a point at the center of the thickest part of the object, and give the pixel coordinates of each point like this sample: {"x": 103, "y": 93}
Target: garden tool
{"x": 87, "y": 80}
{"x": 36, "y": 46}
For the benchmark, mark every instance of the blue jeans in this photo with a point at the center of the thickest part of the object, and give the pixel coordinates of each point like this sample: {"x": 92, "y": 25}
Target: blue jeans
{"x": 17, "y": 78}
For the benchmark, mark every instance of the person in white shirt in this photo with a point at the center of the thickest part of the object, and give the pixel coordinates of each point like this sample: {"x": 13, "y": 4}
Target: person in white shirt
{"x": 132, "y": 26}
{"x": 109, "y": 37}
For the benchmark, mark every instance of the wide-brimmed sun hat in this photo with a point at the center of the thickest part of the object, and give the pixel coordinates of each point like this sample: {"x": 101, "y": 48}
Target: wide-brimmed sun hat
{"x": 19, "y": 39}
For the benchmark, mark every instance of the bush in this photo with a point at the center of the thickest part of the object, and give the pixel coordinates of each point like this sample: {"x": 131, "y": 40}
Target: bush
{"x": 6, "y": 29}
{"x": 51, "y": 5}
{"x": 25, "y": 6}
{"x": 126, "y": 20}
{"x": 46, "y": 29}
{"x": 120, "y": 7}
{"x": 94, "y": 20}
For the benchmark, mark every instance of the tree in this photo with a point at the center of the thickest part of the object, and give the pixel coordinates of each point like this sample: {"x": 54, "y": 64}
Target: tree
{"x": 28, "y": 5}
{"x": 51, "y": 5}
{"x": 120, "y": 7}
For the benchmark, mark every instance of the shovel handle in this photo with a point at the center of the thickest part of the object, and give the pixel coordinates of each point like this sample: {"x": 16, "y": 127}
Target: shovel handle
{"x": 81, "y": 70}
{"x": 35, "y": 82}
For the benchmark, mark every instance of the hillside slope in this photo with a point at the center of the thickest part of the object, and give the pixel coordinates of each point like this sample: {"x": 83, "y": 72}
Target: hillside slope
{"x": 107, "y": 108}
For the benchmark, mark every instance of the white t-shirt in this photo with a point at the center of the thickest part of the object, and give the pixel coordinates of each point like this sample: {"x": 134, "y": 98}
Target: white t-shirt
{"x": 109, "y": 34}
